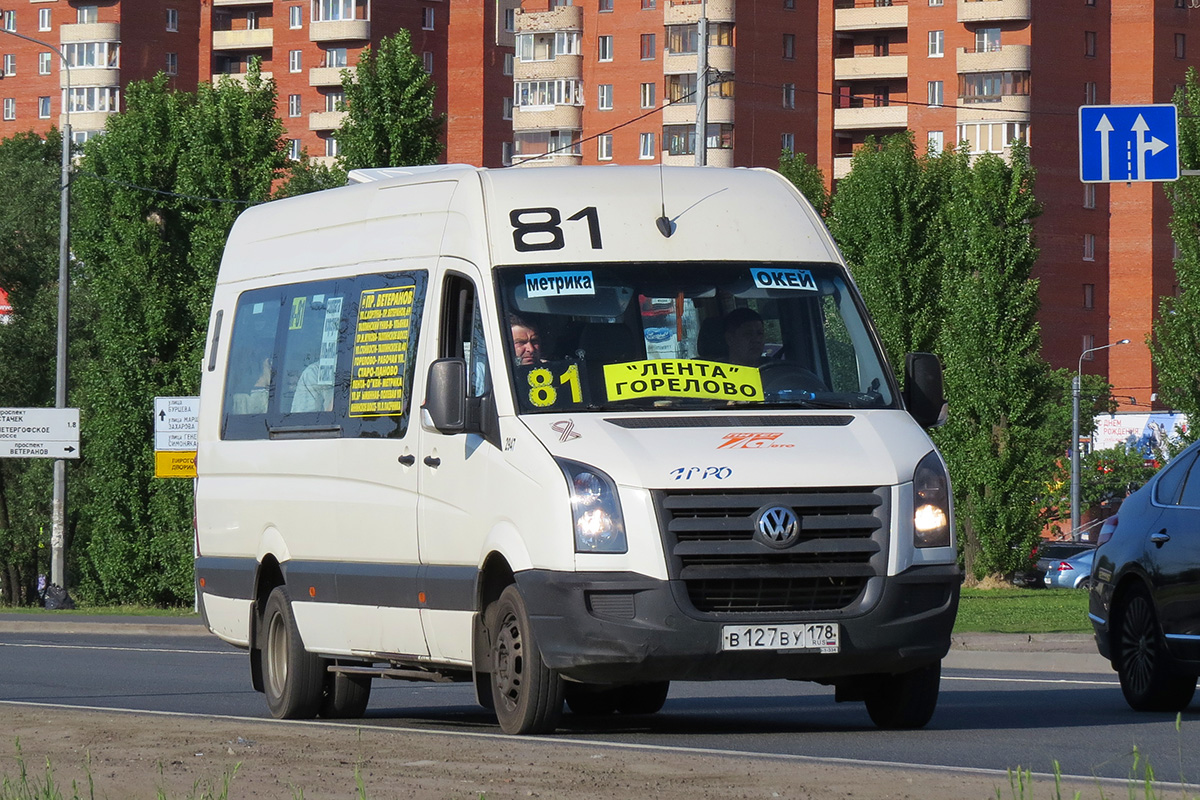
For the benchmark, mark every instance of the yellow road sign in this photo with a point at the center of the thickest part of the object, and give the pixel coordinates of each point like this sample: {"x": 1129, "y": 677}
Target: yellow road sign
{"x": 175, "y": 463}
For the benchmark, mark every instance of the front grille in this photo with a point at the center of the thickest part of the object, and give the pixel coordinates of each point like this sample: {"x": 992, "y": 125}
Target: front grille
{"x": 710, "y": 538}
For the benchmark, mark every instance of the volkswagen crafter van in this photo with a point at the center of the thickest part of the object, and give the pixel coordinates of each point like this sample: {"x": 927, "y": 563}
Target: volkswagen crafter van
{"x": 700, "y": 468}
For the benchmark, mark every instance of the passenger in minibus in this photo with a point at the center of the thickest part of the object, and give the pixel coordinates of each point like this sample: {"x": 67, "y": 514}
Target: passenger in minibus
{"x": 744, "y": 337}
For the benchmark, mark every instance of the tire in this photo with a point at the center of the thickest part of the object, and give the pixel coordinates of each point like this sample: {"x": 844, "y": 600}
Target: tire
{"x": 905, "y": 701}
{"x": 1149, "y": 679}
{"x": 590, "y": 700}
{"x": 642, "y": 698}
{"x": 528, "y": 695}
{"x": 293, "y": 678}
{"x": 345, "y": 696}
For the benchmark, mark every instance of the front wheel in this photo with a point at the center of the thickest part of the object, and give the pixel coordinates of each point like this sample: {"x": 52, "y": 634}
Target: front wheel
{"x": 528, "y": 695}
{"x": 346, "y": 695}
{"x": 1149, "y": 680}
{"x": 905, "y": 701}
{"x": 293, "y": 678}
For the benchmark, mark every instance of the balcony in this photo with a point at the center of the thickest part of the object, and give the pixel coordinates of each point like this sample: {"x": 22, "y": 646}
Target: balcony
{"x": 90, "y": 32}
{"x": 236, "y": 77}
{"x": 684, "y": 12}
{"x": 841, "y": 166}
{"x": 562, "y": 117}
{"x": 845, "y": 119}
{"x": 325, "y": 120}
{"x": 339, "y": 30}
{"x": 86, "y": 120}
{"x": 325, "y": 76}
{"x": 89, "y": 76}
{"x": 866, "y": 15}
{"x": 1008, "y": 108}
{"x": 868, "y": 67}
{"x": 993, "y": 10}
{"x": 556, "y": 160}
{"x": 714, "y": 158}
{"x": 559, "y": 67}
{"x": 255, "y": 39}
{"x": 1009, "y": 58}
{"x": 563, "y": 18}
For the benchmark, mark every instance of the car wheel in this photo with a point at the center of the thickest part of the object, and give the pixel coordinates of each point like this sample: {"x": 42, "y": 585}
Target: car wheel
{"x": 346, "y": 696}
{"x": 905, "y": 701}
{"x": 1149, "y": 680}
{"x": 528, "y": 694}
{"x": 293, "y": 678}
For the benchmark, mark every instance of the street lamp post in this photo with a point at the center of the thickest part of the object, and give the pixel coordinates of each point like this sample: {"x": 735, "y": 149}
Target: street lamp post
{"x": 1075, "y": 384}
{"x": 58, "y": 506}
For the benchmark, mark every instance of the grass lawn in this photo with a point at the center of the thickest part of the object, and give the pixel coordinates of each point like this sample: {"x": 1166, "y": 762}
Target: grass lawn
{"x": 1023, "y": 611}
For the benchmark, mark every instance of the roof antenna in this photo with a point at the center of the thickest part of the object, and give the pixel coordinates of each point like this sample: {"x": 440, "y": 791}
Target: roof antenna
{"x": 665, "y": 226}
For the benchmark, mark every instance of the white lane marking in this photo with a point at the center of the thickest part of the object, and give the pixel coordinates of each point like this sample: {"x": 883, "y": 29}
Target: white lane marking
{"x": 124, "y": 649}
{"x": 550, "y": 741}
{"x": 1112, "y": 682}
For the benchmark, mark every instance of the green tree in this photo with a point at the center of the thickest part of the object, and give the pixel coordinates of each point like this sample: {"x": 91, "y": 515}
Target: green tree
{"x": 806, "y": 177}
{"x": 884, "y": 217}
{"x": 29, "y": 230}
{"x": 1175, "y": 341}
{"x": 306, "y": 176}
{"x": 1000, "y": 449}
{"x": 389, "y": 109}
{"x": 157, "y": 194}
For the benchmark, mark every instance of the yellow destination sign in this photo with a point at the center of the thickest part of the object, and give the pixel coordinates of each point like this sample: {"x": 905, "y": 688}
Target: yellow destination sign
{"x": 175, "y": 463}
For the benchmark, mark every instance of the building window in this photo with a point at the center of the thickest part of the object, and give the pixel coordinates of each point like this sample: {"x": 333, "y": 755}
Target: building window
{"x": 606, "y": 5}
{"x": 990, "y": 87}
{"x": 991, "y": 137}
{"x": 789, "y": 5}
{"x": 719, "y": 136}
{"x": 604, "y": 147}
{"x": 171, "y": 66}
{"x": 330, "y": 10}
{"x": 679, "y": 140}
{"x": 44, "y": 62}
{"x": 506, "y": 153}
{"x": 427, "y": 61}
{"x": 337, "y": 57}
{"x": 93, "y": 99}
{"x": 1089, "y": 247}
{"x": 648, "y": 91}
{"x": 294, "y": 105}
{"x": 1089, "y": 195}
{"x": 294, "y": 60}
{"x": 43, "y": 108}
{"x": 1181, "y": 45}
{"x": 936, "y": 143}
{"x": 1089, "y": 295}
{"x": 251, "y": 20}
{"x": 331, "y": 147}
{"x": 987, "y": 40}
{"x": 545, "y": 94}
{"x": 936, "y": 94}
{"x": 604, "y": 48}
{"x": 295, "y": 17}
{"x": 1089, "y": 44}
{"x": 937, "y": 44}
{"x": 789, "y": 95}
{"x": 648, "y": 4}
{"x": 510, "y": 20}
{"x": 1089, "y": 343}
{"x": 935, "y": 2}
{"x": 10, "y": 64}
{"x": 427, "y": 19}
{"x": 646, "y": 145}
{"x": 506, "y": 111}
{"x": 1089, "y": 93}
{"x": 882, "y": 46}
{"x": 787, "y": 142}
{"x": 605, "y": 102}
{"x": 335, "y": 101}
{"x": 10, "y": 20}
{"x": 682, "y": 39}
{"x": 173, "y": 19}
{"x": 648, "y": 48}
{"x": 92, "y": 54}
{"x": 789, "y": 46}
{"x": 508, "y": 63}
{"x": 10, "y": 108}
{"x": 720, "y": 34}
{"x": 87, "y": 15}
{"x": 681, "y": 88}
{"x": 43, "y": 19}
{"x": 294, "y": 151}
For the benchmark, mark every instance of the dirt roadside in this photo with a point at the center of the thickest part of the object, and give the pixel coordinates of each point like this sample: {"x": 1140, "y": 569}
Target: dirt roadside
{"x": 132, "y": 756}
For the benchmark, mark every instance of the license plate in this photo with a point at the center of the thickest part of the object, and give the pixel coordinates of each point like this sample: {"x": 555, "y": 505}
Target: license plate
{"x": 822, "y": 636}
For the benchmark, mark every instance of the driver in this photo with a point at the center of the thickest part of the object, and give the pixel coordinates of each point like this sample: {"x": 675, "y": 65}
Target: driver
{"x": 744, "y": 336}
{"x": 527, "y": 343}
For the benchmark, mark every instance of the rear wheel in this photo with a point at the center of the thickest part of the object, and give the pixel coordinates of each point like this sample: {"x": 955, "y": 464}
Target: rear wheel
{"x": 292, "y": 677}
{"x": 1149, "y": 680}
{"x": 905, "y": 701}
{"x": 346, "y": 696}
{"x": 528, "y": 694}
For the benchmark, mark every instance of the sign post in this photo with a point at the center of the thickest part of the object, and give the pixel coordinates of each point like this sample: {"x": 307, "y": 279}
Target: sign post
{"x": 176, "y": 424}
{"x": 1128, "y": 144}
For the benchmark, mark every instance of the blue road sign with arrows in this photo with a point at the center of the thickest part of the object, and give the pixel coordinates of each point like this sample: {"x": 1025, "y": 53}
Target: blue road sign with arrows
{"x": 1119, "y": 144}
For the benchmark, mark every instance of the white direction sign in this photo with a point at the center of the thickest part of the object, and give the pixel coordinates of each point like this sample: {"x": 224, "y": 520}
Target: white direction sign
{"x": 176, "y": 421}
{"x": 1120, "y": 144}
{"x": 39, "y": 433}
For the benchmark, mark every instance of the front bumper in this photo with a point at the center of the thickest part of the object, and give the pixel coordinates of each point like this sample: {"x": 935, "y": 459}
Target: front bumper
{"x": 626, "y": 628}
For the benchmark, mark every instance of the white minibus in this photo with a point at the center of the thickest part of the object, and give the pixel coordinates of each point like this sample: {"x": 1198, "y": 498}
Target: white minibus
{"x": 569, "y": 434}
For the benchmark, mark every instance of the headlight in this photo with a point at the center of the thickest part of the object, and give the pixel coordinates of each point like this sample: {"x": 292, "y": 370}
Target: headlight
{"x": 599, "y": 527}
{"x": 931, "y": 503}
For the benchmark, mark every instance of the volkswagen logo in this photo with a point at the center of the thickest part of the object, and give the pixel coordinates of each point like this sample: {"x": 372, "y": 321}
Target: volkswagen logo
{"x": 777, "y": 526}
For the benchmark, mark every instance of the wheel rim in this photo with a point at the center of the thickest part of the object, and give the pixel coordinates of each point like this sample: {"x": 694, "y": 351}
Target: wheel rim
{"x": 277, "y": 662}
{"x": 509, "y": 667}
{"x": 1139, "y": 649}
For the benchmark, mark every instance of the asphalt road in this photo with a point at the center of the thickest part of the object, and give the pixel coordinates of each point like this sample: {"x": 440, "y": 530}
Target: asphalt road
{"x": 1005, "y": 702}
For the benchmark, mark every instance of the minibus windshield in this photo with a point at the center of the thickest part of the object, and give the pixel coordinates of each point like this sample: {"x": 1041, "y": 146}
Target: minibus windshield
{"x": 689, "y": 335}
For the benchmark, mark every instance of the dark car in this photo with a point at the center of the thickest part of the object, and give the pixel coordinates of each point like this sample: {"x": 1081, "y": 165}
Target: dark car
{"x": 1145, "y": 597}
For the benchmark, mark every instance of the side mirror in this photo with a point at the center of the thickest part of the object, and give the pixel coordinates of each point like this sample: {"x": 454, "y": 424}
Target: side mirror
{"x": 445, "y": 406}
{"x": 924, "y": 395}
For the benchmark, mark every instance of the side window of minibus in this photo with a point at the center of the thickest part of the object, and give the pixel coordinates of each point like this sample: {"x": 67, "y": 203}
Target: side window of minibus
{"x": 461, "y": 331}
{"x": 250, "y": 389}
{"x": 315, "y": 325}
